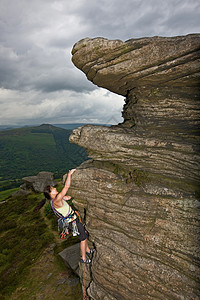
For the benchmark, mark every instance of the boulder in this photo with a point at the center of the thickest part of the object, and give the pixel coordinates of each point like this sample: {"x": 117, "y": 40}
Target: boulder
{"x": 39, "y": 182}
{"x": 140, "y": 190}
{"x": 20, "y": 193}
{"x": 71, "y": 256}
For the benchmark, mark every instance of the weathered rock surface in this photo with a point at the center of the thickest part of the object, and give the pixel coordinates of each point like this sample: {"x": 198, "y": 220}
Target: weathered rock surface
{"x": 39, "y": 182}
{"x": 71, "y": 256}
{"x": 140, "y": 190}
{"x": 120, "y": 66}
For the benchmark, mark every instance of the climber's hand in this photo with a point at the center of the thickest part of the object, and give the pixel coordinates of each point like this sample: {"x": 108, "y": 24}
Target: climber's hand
{"x": 72, "y": 171}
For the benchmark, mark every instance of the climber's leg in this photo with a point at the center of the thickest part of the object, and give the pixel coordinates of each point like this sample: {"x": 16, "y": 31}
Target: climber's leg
{"x": 83, "y": 249}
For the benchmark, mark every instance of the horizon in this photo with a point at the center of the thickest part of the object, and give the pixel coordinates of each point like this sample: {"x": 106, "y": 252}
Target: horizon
{"x": 10, "y": 126}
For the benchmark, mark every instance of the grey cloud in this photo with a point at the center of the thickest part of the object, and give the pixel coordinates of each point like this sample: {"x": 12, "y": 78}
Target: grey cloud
{"x": 38, "y": 63}
{"x": 183, "y": 21}
{"x": 145, "y": 18}
{"x": 66, "y": 81}
{"x": 38, "y": 70}
{"x": 59, "y": 42}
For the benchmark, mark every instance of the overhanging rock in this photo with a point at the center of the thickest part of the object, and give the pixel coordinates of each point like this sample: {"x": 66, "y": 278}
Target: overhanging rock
{"x": 140, "y": 191}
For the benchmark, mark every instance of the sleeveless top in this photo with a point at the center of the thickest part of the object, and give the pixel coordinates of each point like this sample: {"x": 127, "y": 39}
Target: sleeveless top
{"x": 64, "y": 211}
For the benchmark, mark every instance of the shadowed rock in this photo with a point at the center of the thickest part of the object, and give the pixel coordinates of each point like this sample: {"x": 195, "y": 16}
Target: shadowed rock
{"x": 140, "y": 191}
{"x": 39, "y": 182}
{"x": 71, "y": 256}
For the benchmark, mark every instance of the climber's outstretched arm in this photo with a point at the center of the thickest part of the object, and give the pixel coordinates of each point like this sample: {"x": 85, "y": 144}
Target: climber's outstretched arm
{"x": 60, "y": 196}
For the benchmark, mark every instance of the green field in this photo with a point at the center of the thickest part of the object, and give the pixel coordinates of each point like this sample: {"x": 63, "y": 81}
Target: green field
{"x": 7, "y": 193}
{"x": 28, "y": 151}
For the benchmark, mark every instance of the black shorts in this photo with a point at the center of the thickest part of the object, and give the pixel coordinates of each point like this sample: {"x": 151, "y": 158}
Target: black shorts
{"x": 83, "y": 233}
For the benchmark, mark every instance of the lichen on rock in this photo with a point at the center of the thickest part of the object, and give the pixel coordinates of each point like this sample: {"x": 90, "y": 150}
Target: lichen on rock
{"x": 139, "y": 192}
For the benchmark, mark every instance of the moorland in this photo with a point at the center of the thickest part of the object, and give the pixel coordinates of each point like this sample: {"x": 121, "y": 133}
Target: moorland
{"x": 29, "y": 150}
{"x": 29, "y": 260}
{"x": 30, "y": 265}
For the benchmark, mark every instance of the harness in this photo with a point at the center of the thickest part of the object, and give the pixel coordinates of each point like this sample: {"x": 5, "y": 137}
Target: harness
{"x": 63, "y": 222}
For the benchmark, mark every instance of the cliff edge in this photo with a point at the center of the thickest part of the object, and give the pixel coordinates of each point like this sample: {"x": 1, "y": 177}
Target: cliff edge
{"x": 140, "y": 190}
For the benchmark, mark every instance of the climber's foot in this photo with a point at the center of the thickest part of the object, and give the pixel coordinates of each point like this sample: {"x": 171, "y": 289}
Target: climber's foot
{"x": 86, "y": 261}
{"x": 91, "y": 252}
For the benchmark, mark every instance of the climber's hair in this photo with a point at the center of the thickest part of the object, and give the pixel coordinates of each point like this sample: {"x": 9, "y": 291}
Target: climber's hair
{"x": 47, "y": 191}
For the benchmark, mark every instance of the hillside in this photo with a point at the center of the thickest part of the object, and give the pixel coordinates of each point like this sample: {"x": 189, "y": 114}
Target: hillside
{"x": 32, "y": 268}
{"x": 27, "y": 151}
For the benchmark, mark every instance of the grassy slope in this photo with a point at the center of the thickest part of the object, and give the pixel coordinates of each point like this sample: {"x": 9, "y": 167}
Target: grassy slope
{"x": 24, "y": 233}
{"x": 23, "y": 236}
{"x": 28, "y": 265}
{"x": 27, "y": 151}
{"x": 6, "y": 194}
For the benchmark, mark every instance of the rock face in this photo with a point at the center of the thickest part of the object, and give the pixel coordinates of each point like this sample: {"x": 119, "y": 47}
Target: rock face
{"x": 140, "y": 190}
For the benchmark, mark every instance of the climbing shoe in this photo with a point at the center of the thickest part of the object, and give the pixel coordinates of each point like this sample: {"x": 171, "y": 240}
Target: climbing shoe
{"x": 91, "y": 252}
{"x": 87, "y": 261}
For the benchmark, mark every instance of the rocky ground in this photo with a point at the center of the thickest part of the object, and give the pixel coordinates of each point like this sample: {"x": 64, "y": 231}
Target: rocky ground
{"x": 49, "y": 279}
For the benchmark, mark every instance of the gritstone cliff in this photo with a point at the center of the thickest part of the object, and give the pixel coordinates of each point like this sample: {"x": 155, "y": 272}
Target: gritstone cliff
{"x": 140, "y": 190}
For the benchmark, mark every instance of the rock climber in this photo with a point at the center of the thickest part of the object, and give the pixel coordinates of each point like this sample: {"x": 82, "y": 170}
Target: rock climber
{"x": 62, "y": 208}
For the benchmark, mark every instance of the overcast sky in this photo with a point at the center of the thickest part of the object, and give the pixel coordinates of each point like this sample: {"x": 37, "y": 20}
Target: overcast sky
{"x": 39, "y": 83}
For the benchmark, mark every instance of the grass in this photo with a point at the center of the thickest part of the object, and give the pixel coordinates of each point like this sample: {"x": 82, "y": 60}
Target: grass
{"x": 48, "y": 279}
{"x": 28, "y": 151}
{"x": 9, "y": 184}
{"x": 18, "y": 222}
{"x": 5, "y": 194}
{"x": 25, "y": 236}
{"x": 32, "y": 139}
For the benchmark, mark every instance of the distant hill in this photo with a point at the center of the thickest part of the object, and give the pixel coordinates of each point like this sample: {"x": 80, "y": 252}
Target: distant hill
{"x": 70, "y": 126}
{"x": 75, "y": 125}
{"x": 7, "y": 127}
{"x": 29, "y": 150}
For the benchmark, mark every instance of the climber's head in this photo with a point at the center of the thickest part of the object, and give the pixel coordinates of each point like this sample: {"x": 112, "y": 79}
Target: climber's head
{"x": 50, "y": 192}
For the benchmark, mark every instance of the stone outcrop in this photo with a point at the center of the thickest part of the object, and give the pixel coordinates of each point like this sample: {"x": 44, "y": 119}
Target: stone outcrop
{"x": 71, "y": 256}
{"x": 39, "y": 182}
{"x": 140, "y": 190}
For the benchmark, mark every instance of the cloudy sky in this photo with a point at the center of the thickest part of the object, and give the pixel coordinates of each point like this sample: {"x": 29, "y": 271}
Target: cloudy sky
{"x": 39, "y": 83}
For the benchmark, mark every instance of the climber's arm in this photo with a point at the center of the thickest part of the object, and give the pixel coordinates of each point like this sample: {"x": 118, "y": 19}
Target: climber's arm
{"x": 66, "y": 187}
{"x": 67, "y": 198}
